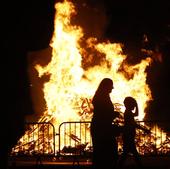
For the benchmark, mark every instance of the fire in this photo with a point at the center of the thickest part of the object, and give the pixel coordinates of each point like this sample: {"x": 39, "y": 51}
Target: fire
{"x": 71, "y": 85}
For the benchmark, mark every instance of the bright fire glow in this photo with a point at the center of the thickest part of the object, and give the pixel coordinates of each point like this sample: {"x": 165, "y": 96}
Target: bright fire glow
{"x": 71, "y": 85}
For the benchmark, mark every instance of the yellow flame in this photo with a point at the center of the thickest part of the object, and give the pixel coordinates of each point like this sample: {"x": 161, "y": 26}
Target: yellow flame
{"x": 69, "y": 83}
{"x": 71, "y": 86}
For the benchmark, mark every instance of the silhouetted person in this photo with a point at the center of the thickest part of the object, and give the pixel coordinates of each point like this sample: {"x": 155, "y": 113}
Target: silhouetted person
{"x": 129, "y": 132}
{"x": 104, "y": 143}
{"x": 26, "y": 26}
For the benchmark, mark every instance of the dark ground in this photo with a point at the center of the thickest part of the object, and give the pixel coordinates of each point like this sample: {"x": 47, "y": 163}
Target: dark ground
{"x": 149, "y": 162}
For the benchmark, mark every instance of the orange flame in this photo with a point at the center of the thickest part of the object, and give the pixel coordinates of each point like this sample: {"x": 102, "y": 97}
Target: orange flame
{"x": 69, "y": 83}
{"x": 71, "y": 86}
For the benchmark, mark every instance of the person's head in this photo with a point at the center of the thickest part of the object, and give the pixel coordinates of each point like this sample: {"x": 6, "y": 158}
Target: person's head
{"x": 105, "y": 86}
{"x": 129, "y": 103}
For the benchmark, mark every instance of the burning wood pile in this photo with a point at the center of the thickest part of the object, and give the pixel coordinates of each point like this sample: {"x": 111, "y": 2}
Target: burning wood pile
{"x": 39, "y": 140}
{"x": 78, "y": 63}
{"x": 76, "y": 150}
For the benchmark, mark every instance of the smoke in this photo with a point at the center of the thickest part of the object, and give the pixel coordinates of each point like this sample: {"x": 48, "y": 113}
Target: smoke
{"x": 92, "y": 17}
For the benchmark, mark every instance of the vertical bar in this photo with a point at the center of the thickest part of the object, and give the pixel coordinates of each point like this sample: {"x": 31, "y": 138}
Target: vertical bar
{"x": 33, "y": 137}
{"x": 59, "y": 135}
{"x": 64, "y": 134}
{"x": 69, "y": 133}
{"x": 75, "y": 133}
{"x": 43, "y": 143}
{"x": 38, "y": 138}
{"x": 161, "y": 140}
{"x": 85, "y": 132}
{"x": 48, "y": 140}
{"x": 80, "y": 130}
{"x": 54, "y": 139}
{"x": 155, "y": 139}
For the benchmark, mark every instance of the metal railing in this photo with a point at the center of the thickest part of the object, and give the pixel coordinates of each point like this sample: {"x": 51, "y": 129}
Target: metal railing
{"x": 39, "y": 139}
{"x": 74, "y": 138}
{"x": 157, "y": 142}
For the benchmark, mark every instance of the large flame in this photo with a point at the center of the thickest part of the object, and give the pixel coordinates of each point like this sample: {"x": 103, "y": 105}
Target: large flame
{"x": 70, "y": 84}
{"x": 74, "y": 72}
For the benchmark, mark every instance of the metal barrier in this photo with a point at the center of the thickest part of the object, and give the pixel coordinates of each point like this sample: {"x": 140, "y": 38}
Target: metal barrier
{"x": 155, "y": 143}
{"x": 74, "y": 139}
{"x": 39, "y": 139}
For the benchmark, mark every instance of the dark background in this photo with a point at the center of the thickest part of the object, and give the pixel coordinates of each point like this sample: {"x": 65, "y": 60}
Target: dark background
{"x": 25, "y": 26}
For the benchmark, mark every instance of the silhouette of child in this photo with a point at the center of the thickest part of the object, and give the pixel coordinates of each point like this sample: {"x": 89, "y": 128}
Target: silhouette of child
{"x": 129, "y": 132}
